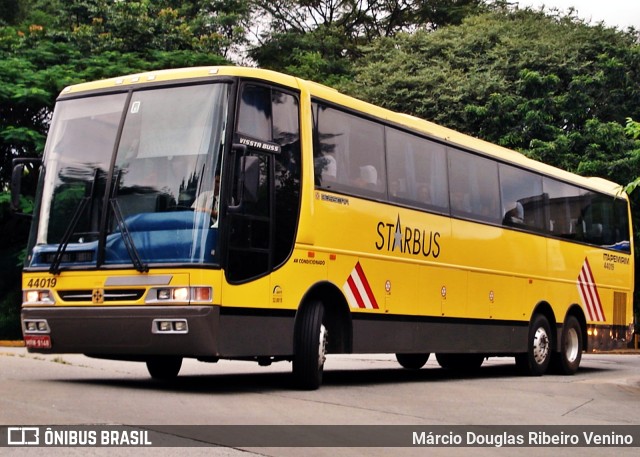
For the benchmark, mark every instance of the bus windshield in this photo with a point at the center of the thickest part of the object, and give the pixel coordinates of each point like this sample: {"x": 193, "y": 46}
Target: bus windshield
{"x": 132, "y": 178}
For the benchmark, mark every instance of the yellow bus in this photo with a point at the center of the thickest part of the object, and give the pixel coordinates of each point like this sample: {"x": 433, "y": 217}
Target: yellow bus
{"x": 237, "y": 213}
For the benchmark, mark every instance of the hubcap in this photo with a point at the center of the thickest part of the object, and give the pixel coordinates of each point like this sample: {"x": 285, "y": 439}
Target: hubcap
{"x": 322, "y": 347}
{"x": 571, "y": 345}
{"x": 540, "y": 346}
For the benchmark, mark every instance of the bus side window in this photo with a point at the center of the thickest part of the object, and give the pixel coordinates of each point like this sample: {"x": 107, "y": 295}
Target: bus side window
{"x": 473, "y": 182}
{"x": 417, "y": 170}
{"x": 522, "y": 198}
{"x": 348, "y": 153}
{"x": 562, "y": 210}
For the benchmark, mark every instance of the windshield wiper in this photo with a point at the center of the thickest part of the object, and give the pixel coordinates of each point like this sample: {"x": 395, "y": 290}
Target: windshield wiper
{"x": 126, "y": 238}
{"x": 64, "y": 242}
{"x": 71, "y": 228}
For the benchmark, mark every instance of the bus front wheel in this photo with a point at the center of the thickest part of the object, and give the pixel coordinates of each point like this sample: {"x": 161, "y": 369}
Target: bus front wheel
{"x": 164, "y": 368}
{"x": 536, "y": 360}
{"x": 310, "y": 347}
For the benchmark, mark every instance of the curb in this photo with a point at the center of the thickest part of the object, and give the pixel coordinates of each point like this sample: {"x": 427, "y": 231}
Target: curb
{"x": 12, "y": 344}
{"x": 20, "y": 344}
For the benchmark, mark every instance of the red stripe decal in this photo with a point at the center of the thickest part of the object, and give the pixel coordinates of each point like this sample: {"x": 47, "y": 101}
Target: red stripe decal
{"x": 366, "y": 285}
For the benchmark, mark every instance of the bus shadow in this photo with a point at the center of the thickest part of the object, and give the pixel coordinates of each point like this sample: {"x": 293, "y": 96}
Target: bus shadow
{"x": 212, "y": 383}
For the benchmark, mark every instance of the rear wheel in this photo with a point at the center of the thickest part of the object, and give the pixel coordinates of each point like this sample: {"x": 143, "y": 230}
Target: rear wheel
{"x": 535, "y": 361}
{"x": 568, "y": 359}
{"x": 164, "y": 368}
{"x": 412, "y": 361}
{"x": 310, "y": 347}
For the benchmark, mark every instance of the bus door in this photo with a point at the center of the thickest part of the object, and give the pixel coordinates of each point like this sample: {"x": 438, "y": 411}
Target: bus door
{"x": 250, "y": 216}
{"x": 264, "y": 192}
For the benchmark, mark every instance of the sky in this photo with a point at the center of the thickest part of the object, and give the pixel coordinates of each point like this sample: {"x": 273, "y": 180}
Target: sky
{"x": 614, "y": 13}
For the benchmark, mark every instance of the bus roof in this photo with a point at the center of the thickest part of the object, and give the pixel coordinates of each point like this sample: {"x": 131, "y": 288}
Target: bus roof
{"x": 178, "y": 74}
{"x": 326, "y": 93}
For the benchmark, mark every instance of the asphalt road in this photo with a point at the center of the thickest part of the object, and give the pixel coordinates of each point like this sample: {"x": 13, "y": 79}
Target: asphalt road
{"x": 369, "y": 390}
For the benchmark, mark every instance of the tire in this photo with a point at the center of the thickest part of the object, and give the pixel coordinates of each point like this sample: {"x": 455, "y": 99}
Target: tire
{"x": 535, "y": 361}
{"x": 164, "y": 368}
{"x": 464, "y": 363}
{"x": 567, "y": 360}
{"x": 310, "y": 348}
{"x": 412, "y": 361}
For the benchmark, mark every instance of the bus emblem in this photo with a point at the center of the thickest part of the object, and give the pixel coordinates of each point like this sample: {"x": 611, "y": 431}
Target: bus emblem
{"x": 97, "y": 297}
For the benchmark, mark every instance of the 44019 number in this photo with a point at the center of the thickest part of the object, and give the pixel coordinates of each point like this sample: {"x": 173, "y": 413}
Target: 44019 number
{"x": 41, "y": 282}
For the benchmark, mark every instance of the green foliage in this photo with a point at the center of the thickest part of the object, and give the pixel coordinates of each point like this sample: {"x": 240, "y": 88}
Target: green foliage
{"x": 86, "y": 40}
{"x": 46, "y": 45}
{"x": 554, "y": 88}
{"x": 12, "y": 11}
{"x": 632, "y": 129}
{"x": 315, "y": 55}
{"x": 320, "y": 40}
{"x": 551, "y": 86}
{"x": 13, "y": 236}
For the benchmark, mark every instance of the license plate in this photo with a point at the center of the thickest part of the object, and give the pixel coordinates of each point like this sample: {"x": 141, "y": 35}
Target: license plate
{"x": 38, "y": 341}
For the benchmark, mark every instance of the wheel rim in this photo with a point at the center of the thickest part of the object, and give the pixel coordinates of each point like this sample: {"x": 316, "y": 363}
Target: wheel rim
{"x": 571, "y": 345}
{"x": 322, "y": 346}
{"x": 540, "y": 346}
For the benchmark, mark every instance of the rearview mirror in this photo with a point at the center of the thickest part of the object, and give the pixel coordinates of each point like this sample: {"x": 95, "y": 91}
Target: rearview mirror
{"x": 16, "y": 181}
{"x": 16, "y": 185}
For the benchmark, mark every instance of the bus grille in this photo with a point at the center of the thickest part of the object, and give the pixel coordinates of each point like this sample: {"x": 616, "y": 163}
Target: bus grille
{"x": 619, "y": 308}
{"x": 110, "y": 295}
{"x": 69, "y": 257}
{"x": 619, "y": 315}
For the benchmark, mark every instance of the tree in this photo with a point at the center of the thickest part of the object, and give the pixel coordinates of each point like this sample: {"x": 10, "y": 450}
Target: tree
{"x": 321, "y": 39}
{"x": 365, "y": 20}
{"x": 46, "y": 45}
{"x": 93, "y": 39}
{"x": 12, "y": 11}
{"x": 552, "y": 87}
{"x": 632, "y": 130}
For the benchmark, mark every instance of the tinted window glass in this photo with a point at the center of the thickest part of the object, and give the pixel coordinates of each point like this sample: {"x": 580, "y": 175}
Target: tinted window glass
{"x": 348, "y": 153}
{"x": 417, "y": 171}
{"x": 598, "y": 223}
{"x": 287, "y": 172}
{"x": 254, "y": 118}
{"x": 621, "y": 226}
{"x": 262, "y": 239}
{"x": 473, "y": 184}
{"x": 523, "y": 202}
{"x": 563, "y": 207}
{"x": 596, "y": 219}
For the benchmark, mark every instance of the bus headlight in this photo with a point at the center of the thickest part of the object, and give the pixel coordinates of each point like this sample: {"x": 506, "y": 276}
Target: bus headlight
{"x": 38, "y": 297}
{"x": 180, "y": 295}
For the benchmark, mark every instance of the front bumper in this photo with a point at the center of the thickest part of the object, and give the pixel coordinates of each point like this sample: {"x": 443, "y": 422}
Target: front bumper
{"x": 127, "y": 331}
